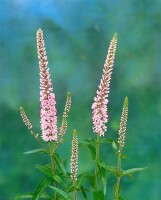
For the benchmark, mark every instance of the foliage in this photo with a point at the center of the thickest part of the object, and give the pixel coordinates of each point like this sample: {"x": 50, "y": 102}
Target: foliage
{"x": 58, "y": 183}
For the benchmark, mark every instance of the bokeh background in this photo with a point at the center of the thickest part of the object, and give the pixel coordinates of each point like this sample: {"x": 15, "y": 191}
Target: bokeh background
{"x": 77, "y": 34}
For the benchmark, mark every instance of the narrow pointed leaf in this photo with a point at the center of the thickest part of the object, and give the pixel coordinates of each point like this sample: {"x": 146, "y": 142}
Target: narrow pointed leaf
{"x": 131, "y": 171}
{"x": 114, "y": 145}
{"x": 24, "y": 196}
{"x": 87, "y": 142}
{"x": 40, "y": 188}
{"x": 59, "y": 163}
{"x": 83, "y": 192}
{"x": 40, "y": 150}
{"x": 61, "y": 193}
{"x": 59, "y": 180}
{"x": 103, "y": 172}
{"x": 92, "y": 151}
{"x": 113, "y": 170}
{"x": 106, "y": 141}
{"x": 80, "y": 182}
{"x": 91, "y": 180}
{"x": 44, "y": 169}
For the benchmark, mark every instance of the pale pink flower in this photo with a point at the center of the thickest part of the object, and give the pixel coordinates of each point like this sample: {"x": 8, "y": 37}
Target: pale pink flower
{"x": 99, "y": 107}
{"x": 48, "y": 118}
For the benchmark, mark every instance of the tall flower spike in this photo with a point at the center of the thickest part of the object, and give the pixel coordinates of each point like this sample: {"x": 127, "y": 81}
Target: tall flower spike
{"x": 48, "y": 118}
{"x": 74, "y": 157}
{"x": 25, "y": 118}
{"x": 63, "y": 127}
{"x": 123, "y": 125}
{"x": 99, "y": 107}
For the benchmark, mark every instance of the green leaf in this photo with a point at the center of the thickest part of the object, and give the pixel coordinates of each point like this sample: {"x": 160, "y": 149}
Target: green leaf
{"x": 114, "y": 145}
{"x": 98, "y": 195}
{"x": 29, "y": 196}
{"x": 36, "y": 151}
{"x": 45, "y": 169}
{"x": 81, "y": 179}
{"x": 24, "y": 196}
{"x": 59, "y": 180}
{"x": 131, "y": 171}
{"x": 61, "y": 193}
{"x": 92, "y": 151}
{"x": 87, "y": 142}
{"x": 40, "y": 188}
{"x": 83, "y": 192}
{"x": 102, "y": 164}
{"x": 91, "y": 180}
{"x": 123, "y": 156}
{"x": 103, "y": 172}
{"x": 59, "y": 163}
{"x": 113, "y": 170}
{"x": 106, "y": 140}
{"x": 70, "y": 188}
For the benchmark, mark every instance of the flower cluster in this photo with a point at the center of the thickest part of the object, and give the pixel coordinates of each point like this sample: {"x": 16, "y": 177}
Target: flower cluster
{"x": 74, "y": 157}
{"x": 123, "y": 125}
{"x": 47, "y": 97}
{"x": 99, "y": 107}
{"x": 25, "y": 118}
{"x": 63, "y": 127}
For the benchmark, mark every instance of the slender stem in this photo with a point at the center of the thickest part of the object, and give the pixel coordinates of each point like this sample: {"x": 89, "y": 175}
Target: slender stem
{"x": 75, "y": 192}
{"x": 37, "y": 138}
{"x": 53, "y": 166}
{"x": 57, "y": 144}
{"x": 118, "y": 178}
{"x": 97, "y": 158}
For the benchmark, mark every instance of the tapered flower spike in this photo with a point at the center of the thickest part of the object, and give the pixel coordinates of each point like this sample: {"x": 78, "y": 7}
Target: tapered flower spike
{"x": 74, "y": 157}
{"x": 63, "y": 127}
{"x": 47, "y": 97}
{"x": 99, "y": 107}
{"x": 123, "y": 123}
{"x": 25, "y": 118}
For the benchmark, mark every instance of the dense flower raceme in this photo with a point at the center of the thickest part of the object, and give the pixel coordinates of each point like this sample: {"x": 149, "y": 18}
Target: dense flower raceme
{"x": 47, "y": 97}
{"x": 25, "y": 118}
{"x": 74, "y": 157}
{"x": 123, "y": 123}
{"x": 63, "y": 127}
{"x": 99, "y": 107}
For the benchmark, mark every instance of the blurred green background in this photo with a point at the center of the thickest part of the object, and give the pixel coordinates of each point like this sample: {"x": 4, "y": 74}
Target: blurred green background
{"x": 77, "y": 35}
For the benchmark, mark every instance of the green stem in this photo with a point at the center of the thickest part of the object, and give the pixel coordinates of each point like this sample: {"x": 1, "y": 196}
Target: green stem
{"x": 118, "y": 178}
{"x": 75, "y": 192}
{"x": 53, "y": 167}
{"x": 37, "y": 138}
{"x": 97, "y": 158}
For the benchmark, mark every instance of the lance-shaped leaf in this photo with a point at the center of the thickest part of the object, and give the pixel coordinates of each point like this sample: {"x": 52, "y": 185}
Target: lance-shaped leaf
{"x": 39, "y": 150}
{"x": 128, "y": 172}
{"x": 41, "y": 187}
{"x": 61, "y": 193}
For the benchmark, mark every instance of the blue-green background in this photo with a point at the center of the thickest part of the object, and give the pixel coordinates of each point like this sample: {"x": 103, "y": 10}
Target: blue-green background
{"x": 77, "y": 34}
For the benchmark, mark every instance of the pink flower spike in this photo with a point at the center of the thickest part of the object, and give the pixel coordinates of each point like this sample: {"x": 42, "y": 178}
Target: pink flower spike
{"x": 99, "y": 107}
{"x": 48, "y": 118}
